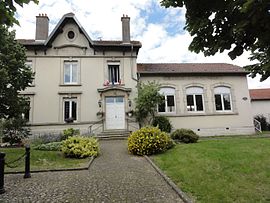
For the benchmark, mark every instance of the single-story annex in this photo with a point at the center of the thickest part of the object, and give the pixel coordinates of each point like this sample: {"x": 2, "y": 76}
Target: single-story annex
{"x": 91, "y": 85}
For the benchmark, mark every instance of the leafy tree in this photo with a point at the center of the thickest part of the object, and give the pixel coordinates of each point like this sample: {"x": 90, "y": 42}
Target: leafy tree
{"x": 8, "y": 9}
{"x": 147, "y": 101}
{"x": 237, "y": 26}
{"x": 15, "y": 76}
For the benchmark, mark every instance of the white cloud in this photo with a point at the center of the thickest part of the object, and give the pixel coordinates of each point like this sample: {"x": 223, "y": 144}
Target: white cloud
{"x": 163, "y": 39}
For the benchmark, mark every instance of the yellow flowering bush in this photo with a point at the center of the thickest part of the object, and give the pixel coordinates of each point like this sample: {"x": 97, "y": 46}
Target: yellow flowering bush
{"x": 149, "y": 140}
{"x": 80, "y": 147}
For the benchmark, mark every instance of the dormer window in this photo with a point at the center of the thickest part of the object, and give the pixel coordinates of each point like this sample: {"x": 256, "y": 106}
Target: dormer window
{"x": 114, "y": 74}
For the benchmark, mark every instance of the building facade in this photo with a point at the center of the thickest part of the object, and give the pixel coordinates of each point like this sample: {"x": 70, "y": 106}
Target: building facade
{"x": 91, "y": 85}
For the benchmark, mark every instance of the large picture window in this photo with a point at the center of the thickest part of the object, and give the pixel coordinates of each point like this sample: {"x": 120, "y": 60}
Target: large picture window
{"x": 70, "y": 110}
{"x": 114, "y": 74}
{"x": 223, "y": 99}
{"x": 168, "y": 105}
{"x": 71, "y": 72}
{"x": 194, "y": 99}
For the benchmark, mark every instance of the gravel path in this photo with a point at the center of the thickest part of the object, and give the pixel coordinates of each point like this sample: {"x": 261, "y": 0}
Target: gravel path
{"x": 114, "y": 176}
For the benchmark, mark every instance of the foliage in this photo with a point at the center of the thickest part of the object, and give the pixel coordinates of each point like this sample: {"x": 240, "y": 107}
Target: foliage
{"x": 41, "y": 160}
{"x": 148, "y": 140}
{"x": 80, "y": 147}
{"x": 146, "y": 102}
{"x": 8, "y": 10}
{"x": 45, "y": 138}
{"x": 14, "y": 132}
{"x": 185, "y": 135}
{"x": 230, "y": 25}
{"x": 52, "y": 146}
{"x": 163, "y": 123}
{"x": 69, "y": 133}
{"x": 15, "y": 76}
{"x": 264, "y": 124}
{"x": 224, "y": 170}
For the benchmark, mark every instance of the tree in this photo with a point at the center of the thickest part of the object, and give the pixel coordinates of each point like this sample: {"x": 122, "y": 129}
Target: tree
{"x": 147, "y": 102}
{"x": 15, "y": 76}
{"x": 8, "y": 9}
{"x": 237, "y": 26}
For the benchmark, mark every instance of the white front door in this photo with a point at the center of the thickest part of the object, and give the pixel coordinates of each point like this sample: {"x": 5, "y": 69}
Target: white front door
{"x": 115, "y": 113}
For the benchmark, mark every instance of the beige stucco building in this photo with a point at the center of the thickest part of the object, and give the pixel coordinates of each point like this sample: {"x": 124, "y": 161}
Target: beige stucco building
{"x": 91, "y": 85}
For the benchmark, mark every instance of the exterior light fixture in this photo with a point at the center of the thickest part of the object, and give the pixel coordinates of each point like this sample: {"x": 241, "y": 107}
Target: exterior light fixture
{"x": 99, "y": 103}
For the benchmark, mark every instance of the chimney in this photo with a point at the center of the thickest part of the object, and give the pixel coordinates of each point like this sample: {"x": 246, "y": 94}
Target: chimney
{"x": 42, "y": 27}
{"x": 125, "y": 29}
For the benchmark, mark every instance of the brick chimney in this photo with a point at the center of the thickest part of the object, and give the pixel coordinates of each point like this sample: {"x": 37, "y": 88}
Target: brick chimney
{"x": 125, "y": 29}
{"x": 42, "y": 27}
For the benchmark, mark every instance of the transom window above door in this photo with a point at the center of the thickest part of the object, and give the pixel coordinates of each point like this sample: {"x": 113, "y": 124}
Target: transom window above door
{"x": 168, "y": 104}
{"x": 71, "y": 72}
{"x": 114, "y": 74}
{"x": 194, "y": 99}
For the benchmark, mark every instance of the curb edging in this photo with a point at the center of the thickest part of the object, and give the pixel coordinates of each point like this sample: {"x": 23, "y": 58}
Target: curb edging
{"x": 180, "y": 193}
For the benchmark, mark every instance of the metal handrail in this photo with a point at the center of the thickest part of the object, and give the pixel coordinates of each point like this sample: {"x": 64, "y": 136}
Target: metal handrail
{"x": 95, "y": 123}
{"x": 257, "y": 125}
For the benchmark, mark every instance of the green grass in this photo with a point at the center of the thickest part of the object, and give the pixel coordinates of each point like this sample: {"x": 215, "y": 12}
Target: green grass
{"x": 226, "y": 170}
{"x": 40, "y": 160}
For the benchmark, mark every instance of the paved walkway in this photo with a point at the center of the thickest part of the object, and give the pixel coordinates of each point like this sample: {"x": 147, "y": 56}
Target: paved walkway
{"x": 114, "y": 176}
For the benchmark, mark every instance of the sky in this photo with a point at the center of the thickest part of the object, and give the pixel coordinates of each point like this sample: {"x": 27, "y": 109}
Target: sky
{"x": 160, "y": 30}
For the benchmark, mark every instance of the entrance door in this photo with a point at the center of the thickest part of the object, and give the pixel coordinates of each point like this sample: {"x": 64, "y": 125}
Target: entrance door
{"x": 115, "y": 113}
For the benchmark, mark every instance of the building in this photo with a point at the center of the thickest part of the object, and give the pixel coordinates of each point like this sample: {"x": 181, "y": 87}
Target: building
{"x": 260, "y": 102}
{"x": 91, "y": 85}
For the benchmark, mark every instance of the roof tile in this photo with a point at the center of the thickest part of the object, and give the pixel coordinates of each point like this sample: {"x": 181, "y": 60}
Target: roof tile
{"x": 260, "y": 94}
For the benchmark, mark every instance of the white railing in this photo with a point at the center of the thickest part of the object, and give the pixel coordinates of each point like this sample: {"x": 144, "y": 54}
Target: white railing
{"x": 257, "y": 125}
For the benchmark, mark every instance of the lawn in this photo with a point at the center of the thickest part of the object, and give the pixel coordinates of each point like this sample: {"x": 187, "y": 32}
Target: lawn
{"x": 40, "y": 160}
{"x": 226, "y": 170}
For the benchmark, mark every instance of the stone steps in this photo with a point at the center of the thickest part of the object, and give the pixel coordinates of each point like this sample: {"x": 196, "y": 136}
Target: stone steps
{"x": 113, "y": 135}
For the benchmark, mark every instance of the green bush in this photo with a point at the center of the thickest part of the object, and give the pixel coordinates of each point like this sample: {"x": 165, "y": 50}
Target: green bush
{"x": 80, "y": 147}
{"x": 52, "y": 146}
{"x": 163, "y": 123}
{"x": 149, "y": 140}
{"x": 69, "y": 133}
{"x": 185, "y": 135}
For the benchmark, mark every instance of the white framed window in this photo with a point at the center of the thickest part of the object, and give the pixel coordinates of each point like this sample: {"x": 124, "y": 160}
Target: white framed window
{"x": 195, "y": 99}
{"x": 70, "y": 72}
{"x": 168, "y": 105}
{"x": 29, "y": 63}
{"x": 70, "y": 109}
{"x": 114, "y": 73}
{"x": 223, "y": 100}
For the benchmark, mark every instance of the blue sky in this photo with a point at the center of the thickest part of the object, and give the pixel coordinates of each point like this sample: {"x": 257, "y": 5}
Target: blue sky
{"x": 160, "y": 30}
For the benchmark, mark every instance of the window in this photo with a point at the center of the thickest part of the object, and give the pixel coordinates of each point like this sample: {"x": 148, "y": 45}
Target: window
{"x": 223, "y": 99}
{"x": 26, "y": 113}
{"x": 114, "y": 74}
{"x": 70, "y": 110}
{"x": 71, "y": 72}
{"x": 168, "y": 105}
{"x": 29, "y": 64}
{"x": 194, "y": 99}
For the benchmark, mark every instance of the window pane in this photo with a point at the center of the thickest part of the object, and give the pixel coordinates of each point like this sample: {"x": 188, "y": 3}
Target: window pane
{"x": 66, "y": 109}
{"x": 67, "y": 73}
{"x": 119, "y": 99}
{"x": 218, "y": 102}
{"x": 199, "y": 102}
{"x": 74, "y": 110}
{"x": 109, "y": 100}
{"x": 161, "y": 107}
{"x": 170, "y": 103}
{"x": 226, "y": 101}
{"x": 190, "y": 103}
{"x": 114, "y": 75}
{"x": 74, "y": 73}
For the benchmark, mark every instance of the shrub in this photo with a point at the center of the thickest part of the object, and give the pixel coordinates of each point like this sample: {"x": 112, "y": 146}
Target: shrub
{"x": 53, "y": 146}
{"x": 149, "y": 140}
{"x": 264, "y": 124}
{"x": 80, "y": 147}
{"x": 45, "y": 138}
{"x": 14, "y": 131}
{"x": 69, "y": 133}
{"x": 163, "y": 123}
{"x": 185, "y": 135}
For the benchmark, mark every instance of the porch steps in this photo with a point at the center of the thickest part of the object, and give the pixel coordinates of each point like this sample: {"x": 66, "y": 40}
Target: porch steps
{"x": 113, "y": 135}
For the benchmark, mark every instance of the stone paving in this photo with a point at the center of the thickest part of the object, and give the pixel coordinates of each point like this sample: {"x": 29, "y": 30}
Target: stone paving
{"x": 115, "y": 176}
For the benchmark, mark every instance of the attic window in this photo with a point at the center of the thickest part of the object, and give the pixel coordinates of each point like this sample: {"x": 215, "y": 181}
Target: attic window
{"x": 71, "y": 35}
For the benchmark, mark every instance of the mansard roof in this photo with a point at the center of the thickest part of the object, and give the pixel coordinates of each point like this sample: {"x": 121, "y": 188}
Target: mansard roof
{"x": 260, "y": 94}
{"x": 190, "y": 68}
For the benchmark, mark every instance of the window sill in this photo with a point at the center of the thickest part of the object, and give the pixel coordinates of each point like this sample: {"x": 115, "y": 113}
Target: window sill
{"x": 200, "y": 114}
{"x": 65, "y": 85}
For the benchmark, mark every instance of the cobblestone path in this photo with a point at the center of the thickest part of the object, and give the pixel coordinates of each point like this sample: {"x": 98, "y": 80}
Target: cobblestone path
{"x": 114, "y": 176}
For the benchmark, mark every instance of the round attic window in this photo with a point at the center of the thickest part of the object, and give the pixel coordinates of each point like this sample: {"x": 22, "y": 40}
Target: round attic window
{"x": 71, "y": 34}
